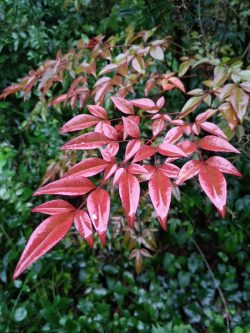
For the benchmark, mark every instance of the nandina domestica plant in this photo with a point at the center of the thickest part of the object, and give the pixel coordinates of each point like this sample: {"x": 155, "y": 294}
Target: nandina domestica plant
{"x": 138, "y": 141}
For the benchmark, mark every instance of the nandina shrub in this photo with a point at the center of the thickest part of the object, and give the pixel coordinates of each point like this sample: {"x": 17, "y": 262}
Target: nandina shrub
{"x": 142, "y": 149}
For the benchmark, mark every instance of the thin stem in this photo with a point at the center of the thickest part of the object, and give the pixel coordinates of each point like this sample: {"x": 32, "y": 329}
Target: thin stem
{"x": 227, "y": 314}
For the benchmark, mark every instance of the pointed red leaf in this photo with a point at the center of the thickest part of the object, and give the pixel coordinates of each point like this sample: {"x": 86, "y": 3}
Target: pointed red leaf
{"x": 171, "y": 150}
{"x": 45, "y": 236}
{"x": 177, "y": 83}
{"x": 110, "y": 170}
{"x": 212, "y": 128}
{"x": 170, "y": 170}
{"x": 118, "y": 175}
{"x": 110, "y": 151}
{"x": 144, "y": 153}
{"x": 214, "y": 185}
{"x": 159, "y": 187}
{"x": 143, "y": 103}
{"x": 87, "y": 141}
{"x": 131, "y": 149}
{"x": 213, "y": 143}
{"x": 73, "y": 185}
{"x": 98, "y": 111}
{"x": 188, "y": 147}
{"x": 131, "y": 127}
{"x": 174, "y": 134}
{"x": 79, "y": 122}
{"x": 98, "y": 204}
{"x": 87, "y": 168}
{"x": 54, "y": 207}
{"x": 83, "y": 226}
{"x": 160, "y": 102}
{"x": 158, "y": 126}
{"x": 108, "y": 130}
{"x": 189, "y": 170}
{"x": 123, "y": 105}
{"x": 129, "y": 190}
{"x": 136, "y": 169}
{"x": 223, "y": 165}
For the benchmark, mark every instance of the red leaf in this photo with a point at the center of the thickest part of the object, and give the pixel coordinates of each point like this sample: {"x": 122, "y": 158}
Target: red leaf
{"x": 118, "y": 175}
{"x": 223, "y": 165}
{"x": 188, "y": 147}
{"x": 212, "y": 128}
{"x": 87, "y": 141}
{"x": 170, "y": 170}
{"x": 214, "y": 185}
{"x": 110, "y": 151}
{"x": 158, "y": 126}
{"x": 131, "y": 127}
{"x": 87, "y": 168}
{"x": 109, "y": 131}
{"x": 83, "y": 226}
{"x": 45, "y": 236}
{"x": 204, "y": 116}
{"x": 72, "y": 185}
{"x": 109, "y": 171}
{"x": 54, "y": 207}
{"x": 168, "y": 149}
{"x": 159, "y": 187}
{"x": 98, "y": 204}
{"x": 79, "y": 122}
{"x": 160, "y": 102}
{"x": 143, "y": 103}
{"x": 129, "y": 190}
{"x": 177, "y": 83}
{"x": 173, "y": 135}
{"x": 213, "y": 143}
{"x": 136, "y": 169}
{"x": 144, "y": 153}
{"x": 123, "y": 105}
{"x": 98, "y": 111}
{"x": 189, "y": 170}
{"x": 58, "y": 99}
{"x": 132, "y": 148}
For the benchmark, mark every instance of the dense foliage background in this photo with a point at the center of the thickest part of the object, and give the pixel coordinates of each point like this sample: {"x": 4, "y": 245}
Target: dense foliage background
{"x": 75, "y": 289}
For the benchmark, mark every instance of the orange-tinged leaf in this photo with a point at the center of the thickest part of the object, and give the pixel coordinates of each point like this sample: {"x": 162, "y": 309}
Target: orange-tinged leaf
{"x": 83, "y": 226}
{"x": 98, "y": 204}
{"x": 54, "y": 207}
{"x": 129, "y": 190}
{"x": 223, "y": 165}
{"x": 240, "y": 101}
{"x": 214, "y": 143}
{"x": 45, "y": 236}
{"x": 177, "y": 83}
{"x": 159, "y": 187}
{"x": 189, "y": 170}
{"x": 214, "y": 185}
{"x": 73, "y": 185}
{"x": 191, "y": 104}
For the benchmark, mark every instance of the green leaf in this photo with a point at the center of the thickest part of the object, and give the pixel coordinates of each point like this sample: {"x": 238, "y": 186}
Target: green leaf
{"x": 20, "y": 314}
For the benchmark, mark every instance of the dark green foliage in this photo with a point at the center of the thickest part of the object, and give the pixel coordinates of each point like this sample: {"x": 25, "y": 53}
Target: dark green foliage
{"x": 74, "y": 289}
